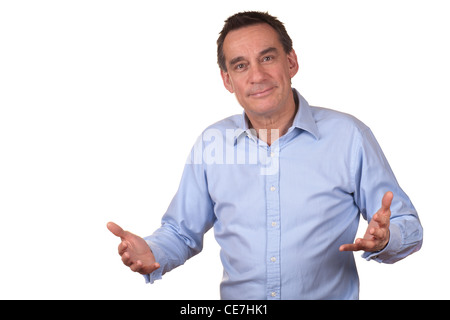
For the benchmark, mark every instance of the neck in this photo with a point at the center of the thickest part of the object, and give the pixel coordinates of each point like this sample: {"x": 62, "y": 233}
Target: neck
{"x": 271, "y": 127}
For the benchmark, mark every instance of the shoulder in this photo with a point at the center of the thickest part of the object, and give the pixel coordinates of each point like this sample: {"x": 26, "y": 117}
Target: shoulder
{"x": 214, "y": 137}
{"x": 232, "y": 122}
{"x": 330, "y": 120}
{"x": 220, "y": 130}
{"x": 224, "y": 128}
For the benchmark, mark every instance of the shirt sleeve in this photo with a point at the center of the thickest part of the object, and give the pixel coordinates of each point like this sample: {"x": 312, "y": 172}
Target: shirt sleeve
{"x": 373, "y": 178}
{"x": 188, "y": 217}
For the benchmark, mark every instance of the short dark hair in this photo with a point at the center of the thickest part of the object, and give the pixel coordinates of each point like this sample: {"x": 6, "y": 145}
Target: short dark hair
{"x": 248, "y": 18}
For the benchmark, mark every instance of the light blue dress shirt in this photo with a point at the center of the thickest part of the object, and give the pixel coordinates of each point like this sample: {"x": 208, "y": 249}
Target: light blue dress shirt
{"x": 280, "y": 212}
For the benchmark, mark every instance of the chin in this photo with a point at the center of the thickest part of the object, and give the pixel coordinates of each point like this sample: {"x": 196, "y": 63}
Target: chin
{"x": 261, "y": 111}
{"x": 263, "y": 107}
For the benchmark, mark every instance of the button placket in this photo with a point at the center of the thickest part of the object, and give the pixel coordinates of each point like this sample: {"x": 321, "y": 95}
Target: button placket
{"x": 273, "y": 232}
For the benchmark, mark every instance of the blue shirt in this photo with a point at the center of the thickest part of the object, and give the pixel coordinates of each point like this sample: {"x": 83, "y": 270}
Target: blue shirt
{"x": 280, "y": 212}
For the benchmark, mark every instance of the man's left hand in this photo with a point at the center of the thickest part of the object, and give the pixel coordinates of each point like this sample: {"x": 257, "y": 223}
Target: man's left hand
{"x": 377, "y": 235}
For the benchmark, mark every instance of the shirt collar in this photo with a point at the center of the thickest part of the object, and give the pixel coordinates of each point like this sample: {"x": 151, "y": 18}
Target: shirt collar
{"x": 303, "y": 120}
{"x": 243, "y": 129}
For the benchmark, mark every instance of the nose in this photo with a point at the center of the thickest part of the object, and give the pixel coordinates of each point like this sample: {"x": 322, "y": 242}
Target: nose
{"x": 257, "y": 74}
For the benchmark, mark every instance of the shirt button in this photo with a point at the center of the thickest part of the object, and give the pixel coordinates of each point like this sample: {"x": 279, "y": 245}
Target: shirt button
{"x": 272, "y": 154}
{"x": 274, "y": 224}
{"x": 273, "y": 294}
{"x": 272, "y": 188}
{"x": 273, "y": 259}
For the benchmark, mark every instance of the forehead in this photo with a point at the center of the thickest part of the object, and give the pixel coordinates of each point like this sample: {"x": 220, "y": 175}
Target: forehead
{"x": 250, "y": 40}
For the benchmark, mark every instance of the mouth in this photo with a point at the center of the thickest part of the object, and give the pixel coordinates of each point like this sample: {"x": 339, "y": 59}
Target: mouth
{"x": 262, "y": 93}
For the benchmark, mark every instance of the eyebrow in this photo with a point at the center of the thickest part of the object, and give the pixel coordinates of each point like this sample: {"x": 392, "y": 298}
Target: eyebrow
{"x": 236, "y": 60}
{"x": 264, "y": 52}
{"x": 268, "y": 50}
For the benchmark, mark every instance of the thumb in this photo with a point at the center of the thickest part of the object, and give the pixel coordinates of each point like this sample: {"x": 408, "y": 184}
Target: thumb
{"x": 387, "y": 200}
{"x": 115, "y": 229}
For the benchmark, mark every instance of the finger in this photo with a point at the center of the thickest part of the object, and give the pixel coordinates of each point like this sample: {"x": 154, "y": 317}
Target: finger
{"x": 383, "y": 219}
{"x": 387, "y": 201}
{"x": 348, "y": 247}
{"x": 123, "y": 247}
{"x": 149, "y": 269}
{"x": 115, "y": 229}
{"x": 126, "y": 259}
{"x": 368, "y": 245}
{"x": 136, "y": 267}
{"x": 375, "y": 232}
{"x": 379, "y": 233}
{"x": 351, "y": 246}
{"x": 139, "y": 267}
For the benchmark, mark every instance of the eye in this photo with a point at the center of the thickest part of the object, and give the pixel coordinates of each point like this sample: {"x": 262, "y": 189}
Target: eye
{"x": 240, "y": 66}
{"x": 267, "y": 59}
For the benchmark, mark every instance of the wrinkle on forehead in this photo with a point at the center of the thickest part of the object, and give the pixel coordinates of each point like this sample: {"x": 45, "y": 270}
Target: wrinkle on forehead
{"x": 250, "y": 41}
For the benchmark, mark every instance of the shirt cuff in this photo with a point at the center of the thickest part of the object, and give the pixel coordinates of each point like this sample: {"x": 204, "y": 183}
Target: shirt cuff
{"x": 160, "y": 257}
{"x": 388, "y": 254}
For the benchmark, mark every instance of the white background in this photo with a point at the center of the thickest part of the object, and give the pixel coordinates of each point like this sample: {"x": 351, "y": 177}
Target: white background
{"x": 101, "y": 101}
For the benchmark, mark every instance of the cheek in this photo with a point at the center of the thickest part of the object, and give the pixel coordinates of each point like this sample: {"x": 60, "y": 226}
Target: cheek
{"x": 284, "y": 75}
{"x": 240, "y": 98}
{"x": 239, "y": 89}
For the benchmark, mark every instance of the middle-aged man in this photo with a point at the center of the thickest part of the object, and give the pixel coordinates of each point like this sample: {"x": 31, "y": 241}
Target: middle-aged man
{"x": 283, "y": 185}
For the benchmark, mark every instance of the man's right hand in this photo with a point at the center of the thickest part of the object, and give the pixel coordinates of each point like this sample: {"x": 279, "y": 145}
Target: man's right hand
{"x": 134, "y": 251}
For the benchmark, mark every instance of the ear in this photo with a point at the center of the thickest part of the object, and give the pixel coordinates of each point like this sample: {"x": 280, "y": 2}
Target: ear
{"x": 227, "y": 81}
{"x": 293, "y": 63}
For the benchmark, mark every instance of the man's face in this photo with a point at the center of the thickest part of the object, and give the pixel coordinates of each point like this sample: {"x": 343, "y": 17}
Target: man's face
{"x": 259, "y": 71}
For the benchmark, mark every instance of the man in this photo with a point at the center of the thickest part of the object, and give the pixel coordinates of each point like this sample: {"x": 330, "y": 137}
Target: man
{"x": 283, "y": 185}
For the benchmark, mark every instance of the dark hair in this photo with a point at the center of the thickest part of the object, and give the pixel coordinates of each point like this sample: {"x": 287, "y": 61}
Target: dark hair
{"x": 248, "y": 18}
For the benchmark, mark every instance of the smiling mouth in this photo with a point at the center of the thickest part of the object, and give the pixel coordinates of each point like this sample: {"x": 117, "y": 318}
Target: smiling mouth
{"x": 262, "y": 93}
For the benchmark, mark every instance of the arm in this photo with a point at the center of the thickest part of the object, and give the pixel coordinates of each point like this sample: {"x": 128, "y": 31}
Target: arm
{"x": 189, "y": 216}
{"x": 394, "y": 230}
{"x": 180, "y": 236}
